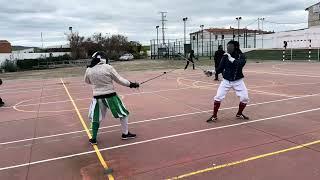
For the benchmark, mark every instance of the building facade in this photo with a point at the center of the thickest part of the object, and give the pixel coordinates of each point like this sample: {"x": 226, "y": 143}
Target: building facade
{"x": 314, "y": 15}
{"x": 205, "y": 42}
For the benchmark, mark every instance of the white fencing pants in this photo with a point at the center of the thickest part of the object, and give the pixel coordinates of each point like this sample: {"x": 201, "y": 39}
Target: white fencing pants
{"x": 239, "y": 87}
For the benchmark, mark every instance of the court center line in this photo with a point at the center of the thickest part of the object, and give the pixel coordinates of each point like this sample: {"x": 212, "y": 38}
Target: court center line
{"x": 96, "y": 149}
{"x": 157, "y": 139}
{"x": 161, "y": 118}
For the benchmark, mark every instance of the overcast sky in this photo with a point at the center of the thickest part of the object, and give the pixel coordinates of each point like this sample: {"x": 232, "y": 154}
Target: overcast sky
{"x": 22, "y": 21}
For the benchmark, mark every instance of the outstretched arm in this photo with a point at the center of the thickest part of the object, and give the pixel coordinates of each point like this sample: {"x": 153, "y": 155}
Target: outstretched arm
{"x": 122, "y": 81}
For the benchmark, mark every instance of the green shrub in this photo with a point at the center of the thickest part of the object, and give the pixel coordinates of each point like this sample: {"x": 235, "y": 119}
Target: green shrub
{"x": 9, "y": 66}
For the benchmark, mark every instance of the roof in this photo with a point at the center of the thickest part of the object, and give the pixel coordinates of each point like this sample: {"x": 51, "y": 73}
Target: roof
{"x": 4, "y": 41}
{"x": 311, "y": 6}
{"x": 58, "y": 46}
{"x": 231, "y": 31}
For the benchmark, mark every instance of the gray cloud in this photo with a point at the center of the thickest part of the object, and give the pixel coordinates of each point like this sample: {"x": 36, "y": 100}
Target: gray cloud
{"x": 21, "y": 22}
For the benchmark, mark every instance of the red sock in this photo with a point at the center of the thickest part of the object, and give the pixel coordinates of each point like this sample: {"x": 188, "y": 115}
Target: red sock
{"x": 241, "y": 108}
{"x": 216, "y": 107}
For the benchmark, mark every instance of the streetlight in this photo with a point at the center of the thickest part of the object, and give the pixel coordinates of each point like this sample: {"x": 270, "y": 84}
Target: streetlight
{"x": 184, "y": 23}
{"x": 70, "y": 29}
{"x": 262, "y": 19}
{"x": 238, "y": 19}
{"x": 202, "y": 26}
{"x": 157, "y": 27}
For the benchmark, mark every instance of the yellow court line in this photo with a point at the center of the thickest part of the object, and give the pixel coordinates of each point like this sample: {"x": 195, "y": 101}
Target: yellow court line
{"x": 96, "y": 149}
{"x": 244, "y": 160}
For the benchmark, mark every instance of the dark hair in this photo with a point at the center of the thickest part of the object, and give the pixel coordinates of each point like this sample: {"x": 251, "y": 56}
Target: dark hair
{"x": 220, "y": 47}
{"x": 236, "y": 46}
{"x": 94, "y": 62}
{"x": 95, "y": 58}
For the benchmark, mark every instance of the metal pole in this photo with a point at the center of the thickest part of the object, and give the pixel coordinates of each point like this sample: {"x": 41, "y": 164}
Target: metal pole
{"x": 262, "y": 19}
{"x": 238, "y": 19}
{"x": 210, "y": 49}
{"x": 283, "y": 54}
{"x": 202, "y": 39}
{"x": 318, "y": 54}
{"x": 185, "y": 27}
{"x": 41, "y": 40}
{"x": 197, "y": 43}
{"x": 157, "y": 35}
{"x": 233, "y": 34}
{"x": 255, "y": 39}
{"x": 151, "y": 48}
{"x": 310, "y": 50}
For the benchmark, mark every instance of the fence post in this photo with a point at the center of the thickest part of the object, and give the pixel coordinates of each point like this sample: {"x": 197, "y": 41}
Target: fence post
{"x": 310, "y": 50}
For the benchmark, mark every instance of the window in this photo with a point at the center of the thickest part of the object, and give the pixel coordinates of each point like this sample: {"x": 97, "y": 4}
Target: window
{"x": 216, "y": 37}
{"x": 222, "y": 36}
{"x": 194, "y": 38}
{"x": 201, "y": 36}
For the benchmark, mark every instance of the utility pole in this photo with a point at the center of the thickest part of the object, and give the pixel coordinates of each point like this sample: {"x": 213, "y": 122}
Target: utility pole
{"x": 238, "y": 19}
{"x": 185, "y": 26}
{"x": 163, "y": 20}
{"x": 41, "y": 40}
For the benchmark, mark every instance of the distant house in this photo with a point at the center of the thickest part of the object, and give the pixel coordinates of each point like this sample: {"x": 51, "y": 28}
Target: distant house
{"x": 314, "y": 15}
{"x": 206, "y": 41}
{"x": 5, "y": 46}
{"x": 58, "y": 48}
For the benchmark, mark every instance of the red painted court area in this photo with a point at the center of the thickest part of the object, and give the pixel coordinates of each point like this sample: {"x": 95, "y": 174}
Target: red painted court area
{"x": 42, "y": 136}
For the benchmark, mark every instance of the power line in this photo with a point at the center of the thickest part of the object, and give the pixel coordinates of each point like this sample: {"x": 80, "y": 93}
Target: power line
{"x": 251, "y": 23}
{"x": 272, "y": 22}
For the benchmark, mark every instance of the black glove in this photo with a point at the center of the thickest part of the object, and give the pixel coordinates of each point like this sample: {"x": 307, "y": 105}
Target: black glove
{"x": 134, "y": 85}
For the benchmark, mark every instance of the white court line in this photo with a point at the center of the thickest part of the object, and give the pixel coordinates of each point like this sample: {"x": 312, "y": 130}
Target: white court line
{"x": 209, "y": 87}
{"x": 157, "y": 119}
{"x": 82, "y": 99}
{"x": 156, "y": 139}
{"x": 275, "y": 94}
{"x": 284, "y": 74}
{"x": 290, "y": 70}
{"x": 35, "y": 89}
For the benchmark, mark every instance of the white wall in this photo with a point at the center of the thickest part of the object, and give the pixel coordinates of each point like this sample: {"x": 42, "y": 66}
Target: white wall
{"x": 20, "y": 56}
{"x": 295, "y": 39}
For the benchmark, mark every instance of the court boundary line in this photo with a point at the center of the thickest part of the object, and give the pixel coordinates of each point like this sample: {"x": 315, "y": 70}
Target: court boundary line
{"x": 262, "y": 156}
{"x": 157, "y": 139}
{"x": 161, "y": 118}
{"x": 95, "y": 147}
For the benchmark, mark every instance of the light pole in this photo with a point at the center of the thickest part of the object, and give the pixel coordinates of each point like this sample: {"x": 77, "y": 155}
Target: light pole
{"x": 157, "y": 27}
{"x": 238, "y": 19}
{"x": 184, "y": 28}
{"x": 70, "y": 29}
{"x": 202, "y": 26}
{"x": 262, "y": 19}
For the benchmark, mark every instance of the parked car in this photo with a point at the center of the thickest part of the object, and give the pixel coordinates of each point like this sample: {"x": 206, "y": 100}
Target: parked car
{"x": 126, "y": 57}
